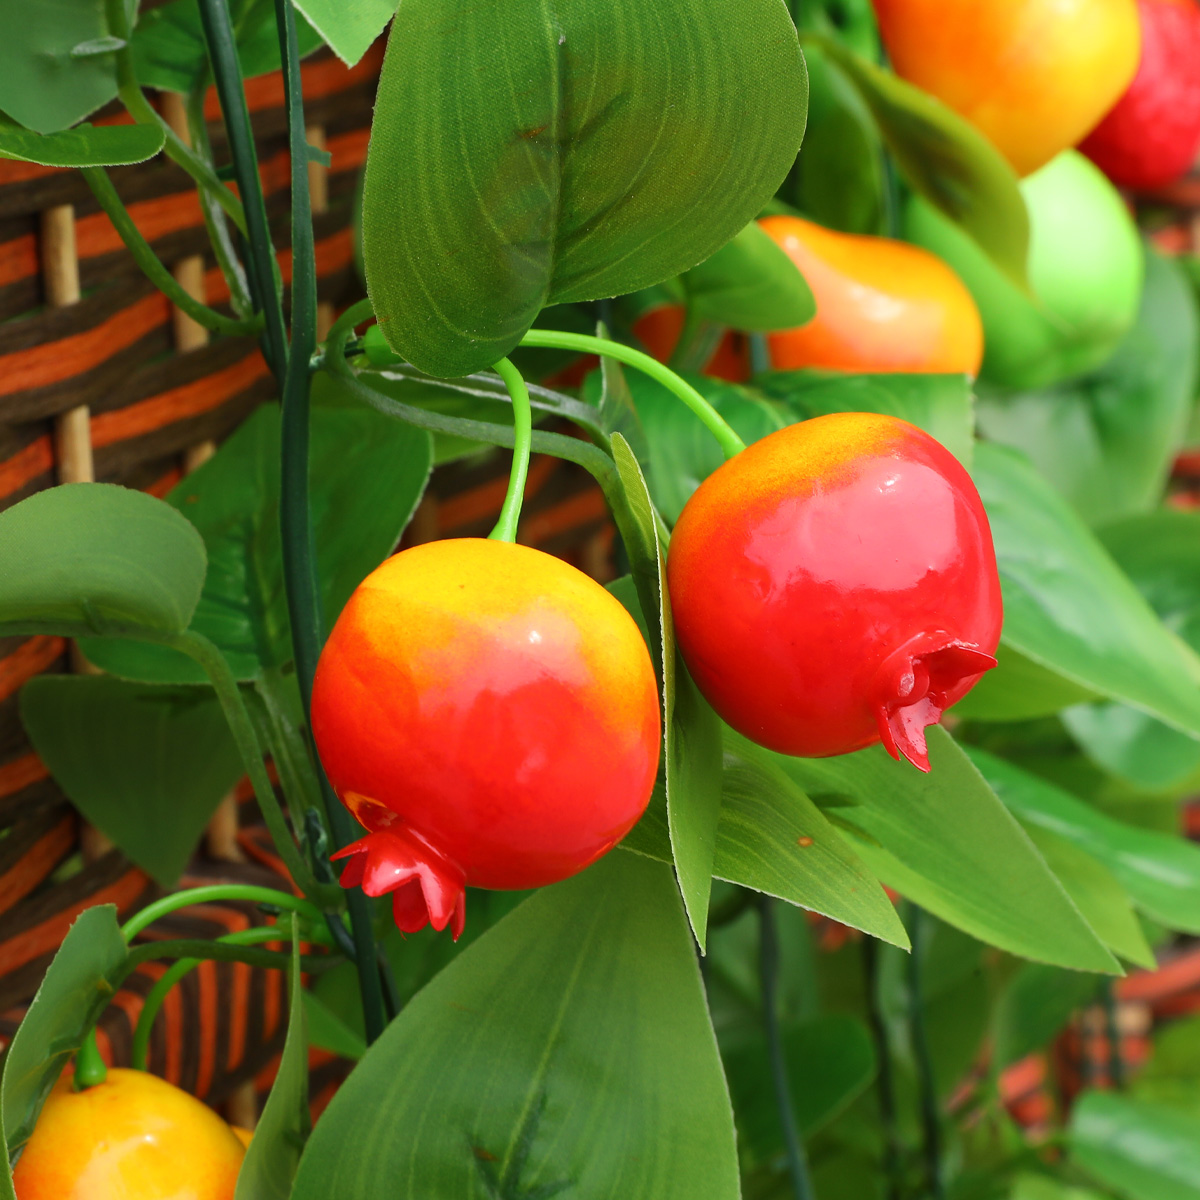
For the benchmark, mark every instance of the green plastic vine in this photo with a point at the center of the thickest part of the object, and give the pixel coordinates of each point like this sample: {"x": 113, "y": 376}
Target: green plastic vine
{"x": 510, "y": 512}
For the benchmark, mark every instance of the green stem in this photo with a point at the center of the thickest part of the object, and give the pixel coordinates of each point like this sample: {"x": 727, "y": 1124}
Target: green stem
{"x": 883, "y": 1079}
{"x": 158, "y": 993}
{"x": 102, "y": 188}
{"x": 143, "y": 112}
{"x": 510, "y": 512}
{"x": 205, "y": 948}
{"x": 768, "y": 965}
{"x": 229, "y": 695}
{"x": 926, "y": 1084}
{"x": 299, "y": 556}
{"x": 212, "y": 893}
{"x": 227, "y": 74}
{"x": 555, "y": 339}
{"x": 90, "y": 1068}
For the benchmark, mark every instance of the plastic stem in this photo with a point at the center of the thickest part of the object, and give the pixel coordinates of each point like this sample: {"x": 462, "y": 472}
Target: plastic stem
{"x": 926, "y": 1084}
{"x": 555, "y": 339}
{"x": 510, "y": 512}
{"x": 883, "y": 1081}
{"x": 90, "y": 1068}
{"x": 249, "y": 893}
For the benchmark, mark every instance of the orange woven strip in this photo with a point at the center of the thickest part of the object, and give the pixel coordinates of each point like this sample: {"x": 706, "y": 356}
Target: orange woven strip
{"x": 239, "y": 1004}
{"x": 484, "y": 501}
{"x": 574, "y": 511}
{"x": 95, "y": 235}
{"x": 333, "y": 254}
{"x": 35, "y": 459}
{"x": 171, "y": 1015}
{"x": 164, "y": 483}
{"x": 37, "y": 862}
{"x": 210, "y": 1017}
{"x": 20, "y": 773}
{"x": 190, "y": 400}
{"x": 52, "y": 362}
{"x": 1182, "y": 975}
{"x": 47, "y": 936}
{"x": 27, "y": 660}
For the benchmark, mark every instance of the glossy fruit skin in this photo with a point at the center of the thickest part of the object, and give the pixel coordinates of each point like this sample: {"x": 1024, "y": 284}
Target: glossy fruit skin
{"x": 835, "y": 585}
{"x": 133, "y": 1137}
{"x": 1085, "y": 270}
{"x": 490, "y": 715}
{"x": 1035, "y": 76}
{"x": 1151, "y": 136}
{"x": 659, "y": 330}
{"x": 882, "y": 305}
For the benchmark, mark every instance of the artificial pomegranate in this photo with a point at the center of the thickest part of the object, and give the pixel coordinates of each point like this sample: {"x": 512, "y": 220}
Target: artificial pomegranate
{"x": 1151, "y": 136}
{"x": 490, "y": 715}
{"x": 835, "y": 585}
{"x": 132, "y": 1137}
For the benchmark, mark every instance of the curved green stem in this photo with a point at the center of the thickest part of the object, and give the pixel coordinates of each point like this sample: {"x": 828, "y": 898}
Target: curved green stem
{"x": 234, "y": 707}
{"x": 586, "y": 344}
{"x": 90, "y": 1068}
{"x": 510, "y": 512}
{"x": 246, "y": 892}
{"x": 174, "y": 973}
{"x": 102, "y": 188}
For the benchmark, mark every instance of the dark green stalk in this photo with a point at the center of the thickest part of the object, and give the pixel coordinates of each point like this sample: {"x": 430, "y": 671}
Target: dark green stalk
{"x": 768, "y": 967}
{"x": 883, "y": 1079}
{"x": 227, "y": 74}
{"x": 223, "y": 952}
{"x": 299, "y": 556}
{"x": 143, "y": 254}
{"x": 926, "y": 1084}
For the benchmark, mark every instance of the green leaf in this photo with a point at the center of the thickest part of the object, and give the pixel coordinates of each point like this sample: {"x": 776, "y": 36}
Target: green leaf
{"x": 146, "y": 765}
{"x": 328, "y": 1031}
{"x": 830, "y": 1061}
{"x": 945, "y": 841}
{"x": 1170, "y": 1076}
{"x": 348, "y": 26}
{"x": 169, "y": 51}
{"x": 368, "y": 473}
{"x": 1160, "y": 872}
{"x": 692, "y": 746}
{"x": 1143, "y": 1151}
{"x": 569, "y": 1050}
{"x": 83, "y": 146}
{"x": 77, "y": 987}
{"x": 1042, "y": 1187}
{"x": 1018, "y": 689}
{"x": 1035, "y": 1006}
{"x": 942, "y": 405}
{"x": 94, "y": 558}
{"x": 274, "y": 1152}
{"x": 1161, "y": 554}
{"x": 1097, "y": 894}
{"x": 43, "y": 85}
{"x": 1067, "y": 605}
{"x": 750, "y": 284}
{"x": 945, "y": 159}
{"x": 522, "y": 157}
{"x": 1107, "y": 441}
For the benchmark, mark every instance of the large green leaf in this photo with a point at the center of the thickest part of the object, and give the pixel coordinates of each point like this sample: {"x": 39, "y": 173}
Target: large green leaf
{"x": 568, "y": 1051}
{"x": 945, "y": 841}
{"x": 274, "y": 1152}
{"x": 169, "y": 50}
{"x": 945, "y": 159}
{"x": 522, "y": 157}
{"x": 84, "y": 146}
{"x": 1161, "y": 553}
{"x": 751, "y": 284}
{"x": 1034, "y": 1007}
{"x": 77, "y": 987}
{"x": 368, "y": 472}
{"x": 1143, "y": 1151}
{"x": 1020, "y": 689}
{"x": 1106, "y": 441}
{"x": 147, "y": 765}
{"x": 349, "y": 26}
{"x": 1042, "y": 1187}
{"x": 1160, "y": 872}
{"x": 94, "y": 558}
{"x": 58, "y": 61}
{"x": 1171, "y": 1075}
{"x": 1067, "y": 605}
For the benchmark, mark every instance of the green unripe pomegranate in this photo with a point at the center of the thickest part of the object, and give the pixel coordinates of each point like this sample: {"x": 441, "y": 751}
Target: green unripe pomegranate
{"x": 1085, "y": 270}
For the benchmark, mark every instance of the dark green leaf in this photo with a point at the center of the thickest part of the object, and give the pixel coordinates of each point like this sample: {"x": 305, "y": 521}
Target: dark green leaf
{"x": 1035, "y": 1006}
{"x": 348, "y": 28}
{"x": 96, "y": 558}
{"x": 751, "y": 284}
{"x": 521, "y": 158}
{"x": 568, "y": 1051}
{"x": 830, "y": 1061}
{"x": 1170, "y": 1077}
{"x": 1107, "y": 441}
{"x": 1143, "y": 1151}
{"x": 77, "y": 987}
{"x": 1160, "y": 872}
{"x": 147, "y": 765}
{"x": 274, "y": 1152}
{"x": 328, "y": 1031}
{"x": 945, "y": 159}
{"x": 83, "y": 146}
{"x": 368, "y": 472}
{"x": 945, "y": 841}
{"x": 43, "y": 85}
{"x": 1069, "y": 608}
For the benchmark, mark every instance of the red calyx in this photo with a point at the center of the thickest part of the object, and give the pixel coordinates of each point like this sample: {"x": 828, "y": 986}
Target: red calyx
{"x": 427, "y": 889}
